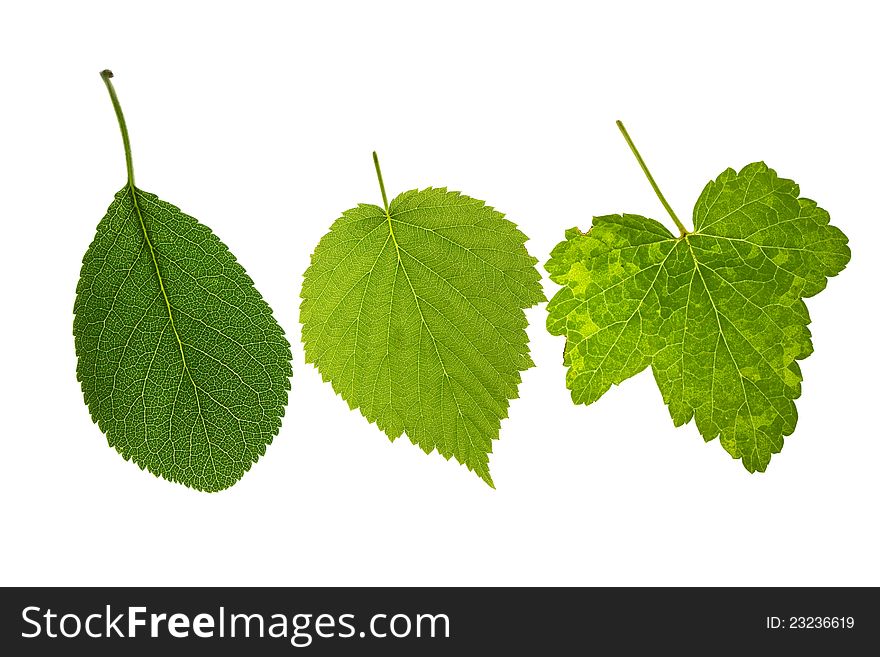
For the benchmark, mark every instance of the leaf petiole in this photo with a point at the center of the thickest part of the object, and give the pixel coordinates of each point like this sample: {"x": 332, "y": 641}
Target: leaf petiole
{"x": 106, "y": 74}
{"x": 381, "y": 183}
{"x": 651, "y": 180}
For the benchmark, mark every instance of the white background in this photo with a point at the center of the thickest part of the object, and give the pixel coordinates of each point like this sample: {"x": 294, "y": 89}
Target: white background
{"x": 259, "y": 118}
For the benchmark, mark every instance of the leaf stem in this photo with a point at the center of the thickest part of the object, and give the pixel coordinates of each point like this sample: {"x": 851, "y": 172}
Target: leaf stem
{"x": 381, "y": 183}
{"x": 106, "y": 74}
{"x": 651, "y": 180}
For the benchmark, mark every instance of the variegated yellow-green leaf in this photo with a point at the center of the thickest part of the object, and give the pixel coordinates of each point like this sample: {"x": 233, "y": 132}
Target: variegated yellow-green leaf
{"x": 717, "y": 312}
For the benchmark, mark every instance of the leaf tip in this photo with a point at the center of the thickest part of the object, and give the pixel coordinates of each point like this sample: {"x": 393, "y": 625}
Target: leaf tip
{"x": 487, "y": 478}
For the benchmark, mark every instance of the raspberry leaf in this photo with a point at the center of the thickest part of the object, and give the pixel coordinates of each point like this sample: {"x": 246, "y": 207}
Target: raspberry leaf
{"x": 414, "y": 313}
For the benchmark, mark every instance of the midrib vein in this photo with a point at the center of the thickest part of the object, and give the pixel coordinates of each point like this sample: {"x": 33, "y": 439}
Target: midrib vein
{"x": 422, "y": 315}
{"x": 137, "y": 209}
{"x": 718, "y": 316}
{"x": 393, "y": 238}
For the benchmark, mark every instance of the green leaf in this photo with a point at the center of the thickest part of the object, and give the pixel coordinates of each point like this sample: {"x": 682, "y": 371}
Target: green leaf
{"x": 181, "y": 363}
{"x": 414, "y": 313}
{"x": 717, "y": 313}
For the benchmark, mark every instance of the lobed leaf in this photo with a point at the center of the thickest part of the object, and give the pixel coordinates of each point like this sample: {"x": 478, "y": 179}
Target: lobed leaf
{"x": 718, "y": 313}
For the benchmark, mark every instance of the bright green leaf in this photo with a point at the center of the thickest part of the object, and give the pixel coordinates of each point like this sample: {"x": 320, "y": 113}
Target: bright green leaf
{"x": 717, "y": 313}
{"x": 414, "y": 313}
{"x": 182, "y": 365}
